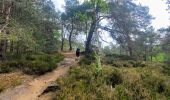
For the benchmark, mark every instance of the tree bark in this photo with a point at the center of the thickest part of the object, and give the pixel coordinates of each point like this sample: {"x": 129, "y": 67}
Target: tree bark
{"x": 70, "y": 40}
{"x": 12, "y": 47}
{"x": 90, "y": 35}
{"x": 130, "y": 51}
{"x": 62, "y": 40}
{"x": 145, "y": 55}
{"x": 6, "y": 46}
{"x": 94, "y": 23}
{"x": 120, "y": 50}
{"x": 129, "y": 44}
{"x": 151, "y": 51}
{"x": 86, "y": 32}
{"x": 70, "y": 36}
{"x": 17, "y": 48}
{"x": 2, "y": 46}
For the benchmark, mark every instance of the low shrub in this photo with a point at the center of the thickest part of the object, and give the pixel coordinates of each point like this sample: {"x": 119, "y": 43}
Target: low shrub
{"x": 41, "y": 64}
{"x": 122, "y": 83}
{"x": 166, "y": 69}
{"x": 87, "y": 59}
{"x": 57, "y": 57}
{"x": 121, "y": 64}
{"x": 30, "y": 57}
{"x": 138, "y": 63}
{"x": 128, "y": 63}
{"x": 123, "y": 61}
{"x": 118, "y": 57}
{"x": 156, "y": 84}
{"x": 11, "y": 56}
{"x": 115, "y": 78}
{"x": 38, "y": 67}
{"x": 32, "y": 63}
{"x": 5, "y": 69}
{"x": 83, "y": 84}
{"x": 131, "y": 91}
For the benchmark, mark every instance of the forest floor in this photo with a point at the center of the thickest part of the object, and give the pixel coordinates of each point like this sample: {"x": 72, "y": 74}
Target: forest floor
{"x": 33, "y": 89}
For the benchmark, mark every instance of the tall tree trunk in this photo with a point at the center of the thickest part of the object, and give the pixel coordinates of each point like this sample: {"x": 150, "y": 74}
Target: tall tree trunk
{"x": 151, "y": 57}
{"x": 6, "y": 46}
{"x": 145, "y": 54}
{"x": 129, "y": 44}
{"x": 90, "y": 35}
{"x": 17, "y": 48}
{"x": 151, "y": 51}
{"x": 120, "y": 50}
{"x": 70, "y": 36}
{"x": 70, "y": 40}
{"x": 94, "y": 23}
{"x": 86, "y": 32}
{"x": 12, "y": 47}
{"x": 62, "y": 40}
{"x": 2, "y": 46}
{"x": 130, "y": 51}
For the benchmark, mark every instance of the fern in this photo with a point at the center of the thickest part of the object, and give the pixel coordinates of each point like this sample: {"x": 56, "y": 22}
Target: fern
{"x": 98, "y": 63}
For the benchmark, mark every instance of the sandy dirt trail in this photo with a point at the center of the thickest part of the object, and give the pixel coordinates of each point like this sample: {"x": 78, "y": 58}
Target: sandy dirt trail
{"x": 34, "y": 88}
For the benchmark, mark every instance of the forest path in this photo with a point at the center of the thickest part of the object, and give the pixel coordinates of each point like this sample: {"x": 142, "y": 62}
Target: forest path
{"x": 33, "y": 89}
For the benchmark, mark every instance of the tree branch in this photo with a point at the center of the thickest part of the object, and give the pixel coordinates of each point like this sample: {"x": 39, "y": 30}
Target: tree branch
{"x": 103, "y": 39}
{"x": 108, "y": 29}
{"x": 4, "y": 27}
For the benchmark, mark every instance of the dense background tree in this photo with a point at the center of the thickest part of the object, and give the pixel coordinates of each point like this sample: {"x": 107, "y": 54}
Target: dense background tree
{"x": 28, "y": 26}
{"x": 127, "y": 21}
{"x": 69, "y": 19}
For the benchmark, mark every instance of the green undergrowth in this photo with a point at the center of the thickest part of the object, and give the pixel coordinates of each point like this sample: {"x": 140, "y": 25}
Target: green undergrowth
{"x": 34, "y": 64}
{"x": 115, "y": 83}
{"x": 87, "y": 59}
{"x": 126, "y": 61}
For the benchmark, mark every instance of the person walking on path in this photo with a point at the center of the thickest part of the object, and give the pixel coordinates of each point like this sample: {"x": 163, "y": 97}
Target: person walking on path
{"x": 78, "y": 52}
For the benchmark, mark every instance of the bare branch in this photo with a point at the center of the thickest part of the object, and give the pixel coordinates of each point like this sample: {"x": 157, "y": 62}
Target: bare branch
{"x": 4, "y": 27}
{"x": 103, "y": 39}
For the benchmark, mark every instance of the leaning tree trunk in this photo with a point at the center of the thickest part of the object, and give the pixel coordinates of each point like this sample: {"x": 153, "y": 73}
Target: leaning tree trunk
{"x": 94, "y": 23}
{"x": 90, "y": 35}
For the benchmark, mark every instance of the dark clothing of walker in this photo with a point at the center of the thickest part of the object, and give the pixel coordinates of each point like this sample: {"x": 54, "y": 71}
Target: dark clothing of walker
{"x": 78, "y": 52}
